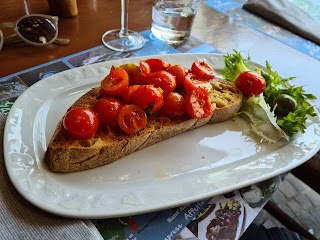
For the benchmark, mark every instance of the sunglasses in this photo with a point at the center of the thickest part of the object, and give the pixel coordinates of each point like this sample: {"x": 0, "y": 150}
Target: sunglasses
{"x": 34, "y": 29}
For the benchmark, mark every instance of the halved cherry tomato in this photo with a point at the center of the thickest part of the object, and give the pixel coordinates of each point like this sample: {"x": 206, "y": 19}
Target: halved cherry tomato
{"x": 132, "y": 70}
{"x": 250, "y": 83}
{"x": 145, "y": 67}
{"x": 116, "y": 82}
{"x": 102, "y": 93}
{"x": 108, "y": 109}
{"x": 157, "y": 64}
{"x": 179, "y": 72}
{"x": 192, "y": 82}
{"x": 81, "y": 122}
{"x": 198, "y": 104}
{"x": 132, "y": 118}
{"x": 140, "y": 79}
{"x": 127, "y": 95}
{"x": 173, "y": 105}
{"x": 148, "y": 97}
{"x": 203, "y": 70}
{"x": 164, "y": 80}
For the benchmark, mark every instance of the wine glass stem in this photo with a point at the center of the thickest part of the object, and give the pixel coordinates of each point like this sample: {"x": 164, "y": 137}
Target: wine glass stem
{"x": 124, "y": 18}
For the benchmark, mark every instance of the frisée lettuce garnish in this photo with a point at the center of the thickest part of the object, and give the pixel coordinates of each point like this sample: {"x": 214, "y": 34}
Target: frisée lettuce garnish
{"x": 261, "y": 109}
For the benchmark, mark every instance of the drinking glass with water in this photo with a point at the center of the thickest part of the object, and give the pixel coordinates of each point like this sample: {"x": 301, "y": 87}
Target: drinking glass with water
{"x": 172, "y": 19}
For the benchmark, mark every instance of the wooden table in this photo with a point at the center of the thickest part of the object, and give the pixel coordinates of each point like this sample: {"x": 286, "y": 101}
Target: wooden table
{"x": 97, "y": 16}
{"x": 210, "y": 26}
{"x": 84, "y": 31}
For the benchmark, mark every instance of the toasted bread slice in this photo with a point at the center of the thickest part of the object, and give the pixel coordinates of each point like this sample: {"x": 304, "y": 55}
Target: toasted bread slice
{"x": 66, "y": 154}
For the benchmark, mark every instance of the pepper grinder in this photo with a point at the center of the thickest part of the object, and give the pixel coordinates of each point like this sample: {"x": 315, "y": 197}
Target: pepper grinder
{"x": 63, "y": 8}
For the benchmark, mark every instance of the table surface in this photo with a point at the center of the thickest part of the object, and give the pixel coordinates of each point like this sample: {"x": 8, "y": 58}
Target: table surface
{"x": 210, "y": 26}
{"x": 97, "y": 16}
{"x": 84, "y": 31}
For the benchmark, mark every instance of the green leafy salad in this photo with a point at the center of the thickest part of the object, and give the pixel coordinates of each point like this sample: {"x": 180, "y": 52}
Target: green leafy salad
{"x": 280, "y": 110}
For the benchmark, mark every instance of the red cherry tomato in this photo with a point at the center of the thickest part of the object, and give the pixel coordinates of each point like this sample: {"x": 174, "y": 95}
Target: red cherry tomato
{"x": 132, "y": 118}
{"x": 203, "y": 70}
{"x": 179, "y": 72}
{"x": 127, "y": 95}
{"x": 140, "y": 79}
{"x": 81, "y": 122}
{"x": 157, "y": 64}
{"x": 116, "y": 82}
{"x": 108, "y": 109}
{"x": 174, "y": 105}
{"x": 102, "y": 93}
{"x": 198, "y": 104}
{"x": 145, "y": 67}
{"x": 250, "y": 83}
{"x": 132, "y": 70}
{"x": 192, "y": 82}
{"x": 164, "y": 80}
{"x": 148, "y": 97}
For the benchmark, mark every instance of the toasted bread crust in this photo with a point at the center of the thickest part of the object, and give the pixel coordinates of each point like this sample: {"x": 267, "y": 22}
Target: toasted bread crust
{"x": 65, "y": 154}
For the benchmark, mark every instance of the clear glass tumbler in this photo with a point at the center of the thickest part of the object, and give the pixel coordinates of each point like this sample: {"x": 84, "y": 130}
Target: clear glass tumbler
{"x": 172, "y": 19}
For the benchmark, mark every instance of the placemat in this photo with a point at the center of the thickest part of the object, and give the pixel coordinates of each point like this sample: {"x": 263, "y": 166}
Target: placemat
{"x": 21, "y": 220}
{"x": 234, "y": 9}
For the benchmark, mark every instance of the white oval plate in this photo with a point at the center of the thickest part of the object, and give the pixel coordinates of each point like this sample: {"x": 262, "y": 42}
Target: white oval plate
{"x": 195, "y": 165}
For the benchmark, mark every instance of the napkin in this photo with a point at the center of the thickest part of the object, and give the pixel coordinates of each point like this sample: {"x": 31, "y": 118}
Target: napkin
{"x": 21, "y": 220}
{"x": 286, "y": 15}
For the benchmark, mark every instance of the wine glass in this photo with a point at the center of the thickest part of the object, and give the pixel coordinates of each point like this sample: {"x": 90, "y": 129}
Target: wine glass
{"x": 123, "y": 40}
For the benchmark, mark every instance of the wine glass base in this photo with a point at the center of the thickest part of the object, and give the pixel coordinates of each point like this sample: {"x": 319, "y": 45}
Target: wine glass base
{"x": 114, "y": 40}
